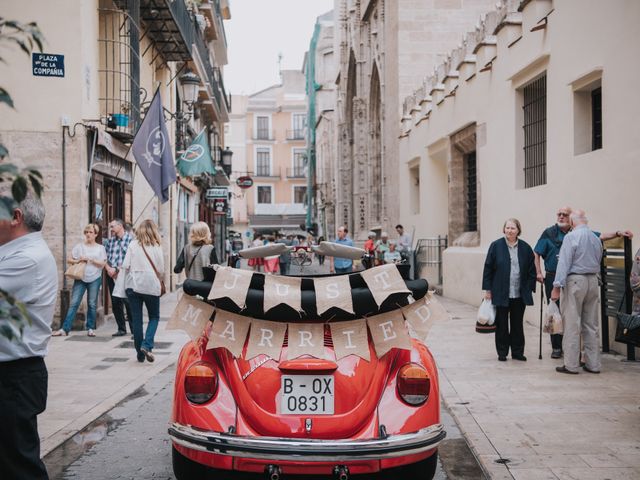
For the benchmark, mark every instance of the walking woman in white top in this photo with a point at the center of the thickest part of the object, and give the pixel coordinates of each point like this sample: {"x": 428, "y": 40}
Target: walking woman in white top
{"x": 144, "y": 267}
{"x": 94, "y": 257}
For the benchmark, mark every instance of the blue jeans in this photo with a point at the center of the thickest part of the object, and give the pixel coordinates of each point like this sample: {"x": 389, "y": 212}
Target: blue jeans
{"x": 79, "y": 287}
{"x": 153, "y": 309}
{"x": 344, "y": 270}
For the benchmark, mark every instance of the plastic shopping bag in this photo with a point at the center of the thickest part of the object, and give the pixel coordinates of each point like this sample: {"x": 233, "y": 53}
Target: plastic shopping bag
{"x": 553, "y": 320}
{"x": 486, "y": 313}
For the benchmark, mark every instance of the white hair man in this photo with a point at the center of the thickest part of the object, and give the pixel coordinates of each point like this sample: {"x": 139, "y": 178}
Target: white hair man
{"x": 577, "y": 279}
{"x": 27, "y": 272}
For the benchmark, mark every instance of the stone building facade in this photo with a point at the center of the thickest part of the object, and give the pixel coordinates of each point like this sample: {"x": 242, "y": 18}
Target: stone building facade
{"x": 383, "y": 49}
{"x": 534, "y": 110}
{"x": 76, "y": 128}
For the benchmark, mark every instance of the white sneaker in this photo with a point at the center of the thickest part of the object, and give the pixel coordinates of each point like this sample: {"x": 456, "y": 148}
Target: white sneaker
{"x": 59, "y": 333}
{"x": 91, "y": 333}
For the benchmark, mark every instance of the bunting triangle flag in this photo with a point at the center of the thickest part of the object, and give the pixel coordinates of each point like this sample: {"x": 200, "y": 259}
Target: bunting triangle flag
{"x": 197, "y": 158}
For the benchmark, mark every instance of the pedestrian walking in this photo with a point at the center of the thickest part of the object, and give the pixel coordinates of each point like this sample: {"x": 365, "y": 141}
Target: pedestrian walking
{"x": 321, "y": 257}
{"x": 256, "y": 263}
{"x": 285, "y": 257}
{"x": 116, "y": 247}
{"x": 94, "y": 257}
{"x": 196, "y": 254}
{"x": 508, "y": 279}
{"x": 28, "y": 273}
{"x": 576, "y": 283}
{"x": 144, "y": 268}
{"x": 341, "y": 265}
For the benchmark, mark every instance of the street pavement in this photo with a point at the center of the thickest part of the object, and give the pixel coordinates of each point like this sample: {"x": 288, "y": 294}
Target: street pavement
{"x": 522, "y": 420}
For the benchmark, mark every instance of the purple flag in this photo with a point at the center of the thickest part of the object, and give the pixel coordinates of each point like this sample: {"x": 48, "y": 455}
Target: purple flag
{"x": 151, "y": 149}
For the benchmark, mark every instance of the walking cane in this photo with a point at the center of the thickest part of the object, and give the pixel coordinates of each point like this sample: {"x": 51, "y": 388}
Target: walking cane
{"x": 540, "y": 345}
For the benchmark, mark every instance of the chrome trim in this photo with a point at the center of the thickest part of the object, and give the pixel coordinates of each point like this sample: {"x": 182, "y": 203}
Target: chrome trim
{"x": 313, "y": 450}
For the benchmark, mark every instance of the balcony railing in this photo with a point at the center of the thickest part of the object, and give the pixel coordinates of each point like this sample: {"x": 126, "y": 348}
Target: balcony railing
{"x": 296, "y": 172}
{"x": 262, "y": 134}
{"x": 297, "y": 134}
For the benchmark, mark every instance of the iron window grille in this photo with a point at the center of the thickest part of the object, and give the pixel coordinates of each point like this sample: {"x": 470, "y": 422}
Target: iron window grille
{"x": 471, "y": 213}
{"x": 299, "y": 194}
{"x": 262, "y": 124}
{"x": 596, "y": 118}
{"x": 535, "y": 132}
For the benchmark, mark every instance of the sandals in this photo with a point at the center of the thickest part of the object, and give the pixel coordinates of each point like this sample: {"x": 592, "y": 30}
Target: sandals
{"x": 60, "y": 333}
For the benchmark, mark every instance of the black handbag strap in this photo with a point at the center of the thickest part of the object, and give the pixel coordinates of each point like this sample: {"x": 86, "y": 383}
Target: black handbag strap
{"x": 194, "y": 257}
{"x": 624, "y": 295}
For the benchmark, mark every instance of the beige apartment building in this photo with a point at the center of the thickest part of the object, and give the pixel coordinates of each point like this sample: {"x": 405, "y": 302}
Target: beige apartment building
{"x": 535, "y": 110}
{"x": 76, "y": 126}
{"x": 382, "y": 49}
{"x": 275, "y": 152}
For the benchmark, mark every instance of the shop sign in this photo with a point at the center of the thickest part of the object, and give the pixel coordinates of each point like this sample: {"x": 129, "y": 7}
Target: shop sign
{"x": 47, "y": 65}
{"x": 218, "y": 192}
{"x": 244, "y": 182}
{"x": 219, "y": 206}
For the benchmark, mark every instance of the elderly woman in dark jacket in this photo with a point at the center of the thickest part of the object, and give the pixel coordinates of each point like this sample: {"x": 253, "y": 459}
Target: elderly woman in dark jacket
{"x": 509, "y": 278}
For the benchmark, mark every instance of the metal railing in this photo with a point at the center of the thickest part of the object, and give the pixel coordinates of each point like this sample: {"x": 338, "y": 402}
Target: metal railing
{"x": 262, "y": 134}
{"x": 298, "y": 134}
{"x": 297, "y": 172}
{"x": 428, "y": 253}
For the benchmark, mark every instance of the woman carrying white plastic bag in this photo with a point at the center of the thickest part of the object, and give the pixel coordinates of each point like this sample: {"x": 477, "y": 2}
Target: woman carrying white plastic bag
{"x": 486, "y": 313}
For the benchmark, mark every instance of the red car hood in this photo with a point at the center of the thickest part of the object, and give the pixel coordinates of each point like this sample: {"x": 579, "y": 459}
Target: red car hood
{"x": 358, "y": 386}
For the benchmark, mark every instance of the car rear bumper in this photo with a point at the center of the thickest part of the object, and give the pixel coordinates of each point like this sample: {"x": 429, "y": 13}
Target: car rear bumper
{"x": 310, "y": 450}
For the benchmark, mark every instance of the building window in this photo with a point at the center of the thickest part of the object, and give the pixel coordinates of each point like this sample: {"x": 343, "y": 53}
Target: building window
{"x": 263, "y": 162}
{"x": 262, "y": 128}
{"x": 596, "y": 118}
{"x": 414, "y": 189}
{"x": 587, "y": 113}
{"x": 535, "y": 132}
{"x": 470, "y": 187}
{"x": 264, "y": 194}
{"x": 299, "y": 194}
{"x": 299, "y": 162}
{"x": 299, "y": 124}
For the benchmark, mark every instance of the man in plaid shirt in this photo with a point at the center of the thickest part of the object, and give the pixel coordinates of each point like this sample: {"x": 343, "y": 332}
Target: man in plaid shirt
{"x": 116, "y": 246}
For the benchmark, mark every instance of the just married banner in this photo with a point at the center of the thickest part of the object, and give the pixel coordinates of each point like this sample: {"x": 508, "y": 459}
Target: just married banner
{"x": 231, "y": 331}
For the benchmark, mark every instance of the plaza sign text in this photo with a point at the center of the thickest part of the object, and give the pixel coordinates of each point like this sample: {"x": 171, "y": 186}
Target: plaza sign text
{"x": 47, "y": 65}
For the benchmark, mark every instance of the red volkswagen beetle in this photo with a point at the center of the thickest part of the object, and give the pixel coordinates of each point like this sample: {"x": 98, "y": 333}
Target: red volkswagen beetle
{"x": 306, "y": 415}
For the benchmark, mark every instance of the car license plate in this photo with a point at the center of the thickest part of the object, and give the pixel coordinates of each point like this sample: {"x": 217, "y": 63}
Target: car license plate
{"x": 307, "y": 394}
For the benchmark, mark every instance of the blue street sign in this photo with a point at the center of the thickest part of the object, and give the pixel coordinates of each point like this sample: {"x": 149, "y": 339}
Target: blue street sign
{"x": 47, "y": 65}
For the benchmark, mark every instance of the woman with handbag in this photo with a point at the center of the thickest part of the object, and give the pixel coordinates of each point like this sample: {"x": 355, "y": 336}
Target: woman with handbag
{"x": 198, "y": 253}
{"x": 144, "y": 269}
{"x": 508, "y": 279}
{"x": 635, "y": 284}
{"x": 88, "y": 258}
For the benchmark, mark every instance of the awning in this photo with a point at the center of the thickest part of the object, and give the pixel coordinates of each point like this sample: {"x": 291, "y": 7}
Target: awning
{"x": 115, "y": 146}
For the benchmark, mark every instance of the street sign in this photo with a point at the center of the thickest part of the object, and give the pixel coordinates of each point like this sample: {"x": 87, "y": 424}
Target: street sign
{"x": 219, "y": 206}
{"x": 47, "y": 65}
{"x": 244, "y": 182}
{"x": 218, "y": 192}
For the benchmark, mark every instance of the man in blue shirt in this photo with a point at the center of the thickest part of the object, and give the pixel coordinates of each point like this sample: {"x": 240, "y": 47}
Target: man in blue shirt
{"x": 116, "y": 247}
{"x": 342, "y": 265}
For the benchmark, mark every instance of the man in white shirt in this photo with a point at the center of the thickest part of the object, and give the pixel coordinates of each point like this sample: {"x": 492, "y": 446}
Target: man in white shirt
{"x": 27, "y": 272}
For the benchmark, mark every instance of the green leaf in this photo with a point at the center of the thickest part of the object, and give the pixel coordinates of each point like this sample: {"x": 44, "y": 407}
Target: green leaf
{"x": 6, "y": 98}
{"x": 19, "y": 188}
{"x": 8, "y": 168}
{"x": 3, "y": 151}
{"x": 36, "y": 185}
{"x": 35, "y": 173}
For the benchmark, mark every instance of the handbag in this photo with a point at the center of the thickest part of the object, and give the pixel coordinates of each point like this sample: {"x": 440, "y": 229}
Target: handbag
{"x": 628, "y": 327}
{"x": 163, "y": 288}
{"x": 485, "y": 328}
{"x": 76, "y": 270}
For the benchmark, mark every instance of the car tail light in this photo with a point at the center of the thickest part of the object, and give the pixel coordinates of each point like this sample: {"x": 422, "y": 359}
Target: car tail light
{"x": 413, "y": 384}
{"x": 200, "y": 382}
